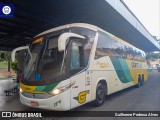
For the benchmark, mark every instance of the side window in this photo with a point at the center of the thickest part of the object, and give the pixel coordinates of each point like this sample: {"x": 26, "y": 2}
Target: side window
{"x": 137, "y": 55}
{"x": 117, "y": 49}
{"x": 110, "y": 46}
{"x": 77, "y": 56}
{"x": 130, "y": 53}
{"x": 103, "y": 46}
{"x": 90, "y": 36}
{"x": 143, "y": 56}
{"x": 124, "y": 51}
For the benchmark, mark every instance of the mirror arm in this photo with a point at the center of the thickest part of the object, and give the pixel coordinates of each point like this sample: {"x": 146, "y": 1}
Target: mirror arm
{"x": 18, "y": 49}
{"x": 62, "y": 40}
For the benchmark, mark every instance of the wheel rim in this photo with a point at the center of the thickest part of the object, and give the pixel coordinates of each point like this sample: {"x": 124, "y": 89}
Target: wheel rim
{"x": 100, "y": 95}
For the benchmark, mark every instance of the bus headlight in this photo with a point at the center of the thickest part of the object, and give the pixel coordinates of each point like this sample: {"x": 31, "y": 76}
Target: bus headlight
{"x": 20, "y": 90}
{"x": 55, "y": 92}
{"x": 61, "y": 89}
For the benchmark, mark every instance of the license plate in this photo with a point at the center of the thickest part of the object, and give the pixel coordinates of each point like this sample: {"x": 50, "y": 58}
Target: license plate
{"x": 34, "y": 103}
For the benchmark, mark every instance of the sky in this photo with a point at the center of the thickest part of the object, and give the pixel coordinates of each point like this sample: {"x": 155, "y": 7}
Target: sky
{"x": 148, "y": 13}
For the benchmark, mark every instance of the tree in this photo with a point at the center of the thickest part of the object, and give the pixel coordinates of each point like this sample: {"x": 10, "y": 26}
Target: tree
{"x": 7, "y": 57}
{"x": 152, "y": 56}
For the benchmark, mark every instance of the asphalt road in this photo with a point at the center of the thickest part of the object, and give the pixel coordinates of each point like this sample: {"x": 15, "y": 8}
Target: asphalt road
{"x": 145, "y": 98}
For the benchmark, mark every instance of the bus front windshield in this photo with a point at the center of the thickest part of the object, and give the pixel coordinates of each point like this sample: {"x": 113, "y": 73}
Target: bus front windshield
{"x": 44, "y": 64}
{"x": 45, "y": 60}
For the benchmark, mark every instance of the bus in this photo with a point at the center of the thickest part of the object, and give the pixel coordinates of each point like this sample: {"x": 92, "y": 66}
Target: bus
{"x": 71, "y": 65}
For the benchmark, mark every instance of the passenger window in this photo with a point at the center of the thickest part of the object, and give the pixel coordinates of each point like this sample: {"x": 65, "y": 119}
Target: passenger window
{"x": 110, "y": 46}
{"x": 130, "y": 53}
{"x": 103, "y": 46}
{"x": 116, "y": 48}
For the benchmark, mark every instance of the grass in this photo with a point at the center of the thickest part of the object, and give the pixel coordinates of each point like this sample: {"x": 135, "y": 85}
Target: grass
{"x": 4, "y": 70}
{"x": 3, "y": 64}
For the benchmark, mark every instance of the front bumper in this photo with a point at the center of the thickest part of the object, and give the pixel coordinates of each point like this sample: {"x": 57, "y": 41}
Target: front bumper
{"x": 60, "y": 102}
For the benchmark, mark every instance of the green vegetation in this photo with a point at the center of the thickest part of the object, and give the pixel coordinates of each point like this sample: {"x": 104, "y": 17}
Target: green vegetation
{"x": 152, "y": 56}
{"x": 4, "y": 61}
{"x": 14, "y": 66}
{"x": 3, "y": 64}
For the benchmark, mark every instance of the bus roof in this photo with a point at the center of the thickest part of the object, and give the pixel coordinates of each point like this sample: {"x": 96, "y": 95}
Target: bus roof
{"x": 89, "y": 26}
{"x": 84, "y": 25}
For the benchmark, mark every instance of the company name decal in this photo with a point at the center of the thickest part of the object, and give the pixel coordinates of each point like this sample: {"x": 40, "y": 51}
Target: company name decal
{"x": 136, "y": 65}
{"x": 103, "y": 64}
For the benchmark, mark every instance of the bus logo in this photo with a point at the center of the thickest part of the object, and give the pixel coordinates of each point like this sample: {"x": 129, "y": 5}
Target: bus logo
{"x": 27, "y": 88}
{"x": 82, "y": 96}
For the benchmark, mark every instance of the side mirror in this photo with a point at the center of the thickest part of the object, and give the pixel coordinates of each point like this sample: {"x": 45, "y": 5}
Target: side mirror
{"x": 2, "y": 55}
{"x": 18, "y": 49}
{"x": 62, "y": 40}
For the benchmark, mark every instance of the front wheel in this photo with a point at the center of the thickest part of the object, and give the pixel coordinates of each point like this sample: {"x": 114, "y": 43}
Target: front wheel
{"x": 100, "y": 95}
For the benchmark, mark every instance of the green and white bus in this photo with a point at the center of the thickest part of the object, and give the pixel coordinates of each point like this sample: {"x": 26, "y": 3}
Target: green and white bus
{"x": 74, "y": 64}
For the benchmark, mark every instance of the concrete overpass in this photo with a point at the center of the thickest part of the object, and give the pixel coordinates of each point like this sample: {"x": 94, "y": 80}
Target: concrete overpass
{"x": 34, "y": 16}
{"x": 130, "y": 28}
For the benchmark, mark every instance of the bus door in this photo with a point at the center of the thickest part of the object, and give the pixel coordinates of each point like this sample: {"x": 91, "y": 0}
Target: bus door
{"x": 78, "y": 75}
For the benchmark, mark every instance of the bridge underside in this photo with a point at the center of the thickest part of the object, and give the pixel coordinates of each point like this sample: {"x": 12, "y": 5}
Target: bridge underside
{"x": 34, "y": 16}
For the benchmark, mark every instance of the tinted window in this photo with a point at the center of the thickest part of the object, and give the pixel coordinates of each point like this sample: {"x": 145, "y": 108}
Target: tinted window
{"x": 117, "y": 49}
{"x": 90, "y": 35}
{"x": 75, "y": 57}
{"x": 110, "y": 46}
{"x": 103, "y": 46}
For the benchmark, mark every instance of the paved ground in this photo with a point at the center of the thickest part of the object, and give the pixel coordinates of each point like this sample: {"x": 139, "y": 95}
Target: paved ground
{"x": 4, "y": 73}
{"x": 146, "y": 98}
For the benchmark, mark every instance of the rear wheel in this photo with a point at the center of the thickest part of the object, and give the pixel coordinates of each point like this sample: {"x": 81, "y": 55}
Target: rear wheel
{"x": 142, "y": 80}
{"x": 139, "y": 81}
{"x": 100, "y": 95}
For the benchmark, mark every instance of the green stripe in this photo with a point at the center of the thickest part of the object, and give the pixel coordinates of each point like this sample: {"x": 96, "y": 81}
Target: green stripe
{"x": 39, "y": 88}
{"x": 50, "y": 87}
{"x": 126, "y": 70}
{"x": 122, "y": 70}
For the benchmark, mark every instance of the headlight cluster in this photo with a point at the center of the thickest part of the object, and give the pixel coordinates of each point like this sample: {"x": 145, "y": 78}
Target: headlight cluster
{"x": 61, "y": 89}
{"x": 57, "y": 90}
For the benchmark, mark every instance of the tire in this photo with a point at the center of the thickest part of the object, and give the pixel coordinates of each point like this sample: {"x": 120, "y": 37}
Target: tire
{"x": 100, "y": 95}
